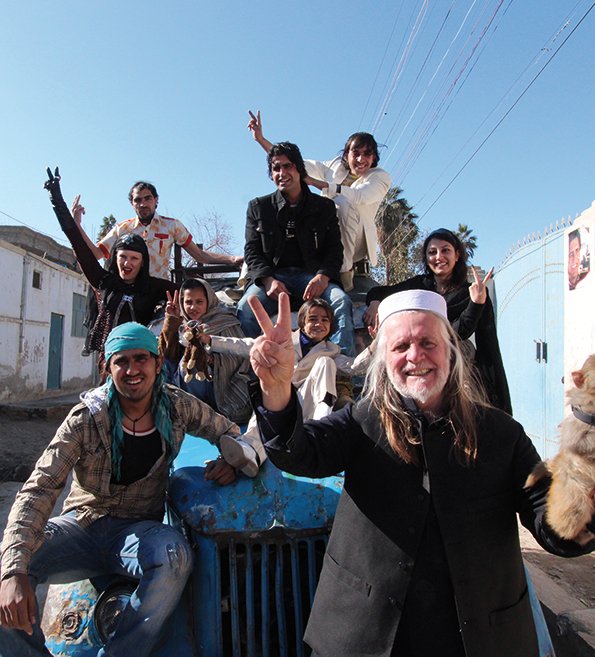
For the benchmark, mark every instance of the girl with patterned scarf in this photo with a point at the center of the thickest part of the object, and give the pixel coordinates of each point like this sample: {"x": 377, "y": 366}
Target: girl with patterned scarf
{"x": 225, "y": 386}
{"x": 227, "y": 389}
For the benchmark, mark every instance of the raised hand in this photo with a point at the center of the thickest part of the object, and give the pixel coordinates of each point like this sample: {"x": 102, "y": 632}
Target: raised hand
{"x": 53, "y": 180}
{"x": 172, "y": 307}
{"x": 272, "y": 356}
{"x": 52, "y": 184}
{"x": 478, "y": 290}
{"x": 255, "y": 126}
{"x": 77, "y": 209}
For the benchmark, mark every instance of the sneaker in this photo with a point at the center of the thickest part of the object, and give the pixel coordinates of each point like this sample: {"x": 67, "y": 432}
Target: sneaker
{"x": 239, "y": 455}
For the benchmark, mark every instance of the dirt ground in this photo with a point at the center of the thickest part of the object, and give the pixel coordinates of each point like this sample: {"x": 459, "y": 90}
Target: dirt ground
{"x": 23, "y": 440}
{"x": 21, "y": 443}
{"x": 576, "y": 576}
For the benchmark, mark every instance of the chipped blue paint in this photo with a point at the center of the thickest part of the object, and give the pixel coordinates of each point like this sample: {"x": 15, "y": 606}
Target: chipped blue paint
{"x": 67, "y": 620}
{"x": 272, "y": 499}
{"x": 66, "y": 600}
{"x": 271, "y": 511}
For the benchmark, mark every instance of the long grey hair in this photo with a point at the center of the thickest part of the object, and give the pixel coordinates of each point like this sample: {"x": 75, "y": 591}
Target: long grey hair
{"x": 463, "y": 394}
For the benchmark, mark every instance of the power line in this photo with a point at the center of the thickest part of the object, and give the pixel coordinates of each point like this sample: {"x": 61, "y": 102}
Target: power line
{"x": 543, "y": 50}
{"x": 380, "y": 67}
{"x": 402, "y": 63}
{"x": 499, "y": 123}
{"x": 61, "y": 240}
{"x": 414, "y": 86}
{"x": 418, "y": 144}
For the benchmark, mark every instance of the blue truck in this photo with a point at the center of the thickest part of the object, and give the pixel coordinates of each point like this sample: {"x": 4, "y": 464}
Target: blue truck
{"x": 259, "y": 545}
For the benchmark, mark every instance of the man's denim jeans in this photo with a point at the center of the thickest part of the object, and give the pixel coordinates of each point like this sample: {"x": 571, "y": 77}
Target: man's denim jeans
{"x": 296, "y": 281}
{"x": 155, "y": 554}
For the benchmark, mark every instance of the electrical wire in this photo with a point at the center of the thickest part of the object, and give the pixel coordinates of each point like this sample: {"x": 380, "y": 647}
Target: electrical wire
{"x": 527, "y": 87}
{"x": 402, "y": 63}
{"x": 380, "y": 67}
{"x": 499, "y": 123}
{"x": 420, "y": 139}
{"x": 61, "y": 240}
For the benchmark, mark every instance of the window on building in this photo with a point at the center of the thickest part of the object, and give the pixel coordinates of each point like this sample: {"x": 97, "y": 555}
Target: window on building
{"x": 79, "y": 304}
{"x": 37, "y": 279}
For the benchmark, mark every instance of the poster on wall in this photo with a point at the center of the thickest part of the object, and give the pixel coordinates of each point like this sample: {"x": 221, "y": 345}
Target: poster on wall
{"x": 578, "y": 256}
{"x": 579, "y": 293}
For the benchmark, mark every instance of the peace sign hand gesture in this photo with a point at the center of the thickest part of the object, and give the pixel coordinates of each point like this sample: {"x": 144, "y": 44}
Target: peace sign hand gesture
{"x": 172, "y": 307}
{"x": 272, "y": 356}
{"x": 478, "y": 290}
{"x": 255, "y": 125}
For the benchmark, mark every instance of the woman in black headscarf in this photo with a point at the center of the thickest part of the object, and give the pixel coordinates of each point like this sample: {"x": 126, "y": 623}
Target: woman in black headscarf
{"x": 470, "y": 310}
{"x": 125, "y": 292}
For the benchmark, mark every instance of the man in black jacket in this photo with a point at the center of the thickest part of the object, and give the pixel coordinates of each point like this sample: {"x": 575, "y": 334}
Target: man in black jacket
{"x": 293, "y": 245}
{"x": 424, "y": 555}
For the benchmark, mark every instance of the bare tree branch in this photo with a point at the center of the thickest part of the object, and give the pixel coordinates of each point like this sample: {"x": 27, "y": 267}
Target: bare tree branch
{"x": 212, "y": 232}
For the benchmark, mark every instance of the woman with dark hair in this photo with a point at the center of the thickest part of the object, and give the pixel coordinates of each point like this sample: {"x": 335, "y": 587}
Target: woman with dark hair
{"x": 357, "y": 186}
{"x": 470, "y": 310}
{"x": 125, "y": 292}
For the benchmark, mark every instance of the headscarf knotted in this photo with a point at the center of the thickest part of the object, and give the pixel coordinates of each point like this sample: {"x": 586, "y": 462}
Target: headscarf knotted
{"x": 230, "y": 372}
{"x": 136, "y": 336}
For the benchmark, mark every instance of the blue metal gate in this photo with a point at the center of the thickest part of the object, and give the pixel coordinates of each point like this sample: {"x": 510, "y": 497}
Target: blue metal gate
{"x": 530, "y": 314}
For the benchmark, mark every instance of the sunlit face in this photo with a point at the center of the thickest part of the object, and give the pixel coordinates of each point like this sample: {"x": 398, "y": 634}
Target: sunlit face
{"x": 441, "y": 257}
{"x": 195, "y": 302}
{"x": 129, "y": 264}
{"x": 134, "y": 372}
{"x": 144, "y": 204}
{"x": 574, "y": 259}
{"x": 417, "y": 357}
{"x": 317, "y": 324}
{"x": 286, "y": 176}
{"x": 360, "y": 160}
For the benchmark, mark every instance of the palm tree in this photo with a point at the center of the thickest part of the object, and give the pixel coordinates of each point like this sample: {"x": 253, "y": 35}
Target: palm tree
{"x": 397, "y": 234}
{"x": 107, "y": 223}
{"x": 463, "y": 232}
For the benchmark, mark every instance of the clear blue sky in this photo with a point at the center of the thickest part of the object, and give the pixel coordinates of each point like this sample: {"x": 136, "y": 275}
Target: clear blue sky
{"x": 117, "y": 91}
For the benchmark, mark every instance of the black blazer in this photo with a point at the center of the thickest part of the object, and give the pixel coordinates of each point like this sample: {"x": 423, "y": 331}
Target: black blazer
{"x": 317, "y": 233}
{"x": 381, "y": 517}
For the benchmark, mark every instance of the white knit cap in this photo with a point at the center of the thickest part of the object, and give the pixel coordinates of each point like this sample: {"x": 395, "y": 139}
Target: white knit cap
{"x": 412, "y": 300}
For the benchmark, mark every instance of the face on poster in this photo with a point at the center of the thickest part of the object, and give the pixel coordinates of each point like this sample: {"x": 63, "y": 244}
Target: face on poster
{"x": 578, "y": 256}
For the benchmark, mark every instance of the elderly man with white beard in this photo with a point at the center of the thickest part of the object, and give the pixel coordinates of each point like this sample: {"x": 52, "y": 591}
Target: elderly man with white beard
{"x": 424, "y": 556}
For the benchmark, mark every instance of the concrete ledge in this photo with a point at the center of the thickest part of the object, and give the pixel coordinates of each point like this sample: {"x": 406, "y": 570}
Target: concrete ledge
{"x": 48, "y": 407}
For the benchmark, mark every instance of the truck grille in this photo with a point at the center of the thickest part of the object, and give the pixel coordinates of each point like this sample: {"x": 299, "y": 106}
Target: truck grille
{"x": 264, "y": 589}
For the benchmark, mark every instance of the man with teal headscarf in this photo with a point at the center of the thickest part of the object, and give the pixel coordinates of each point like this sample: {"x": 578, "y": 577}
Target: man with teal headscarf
{"x": 119, "y": 442}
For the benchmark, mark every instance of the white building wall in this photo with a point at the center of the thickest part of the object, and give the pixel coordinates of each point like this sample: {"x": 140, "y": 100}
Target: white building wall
{"x": 24, "y": 345}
